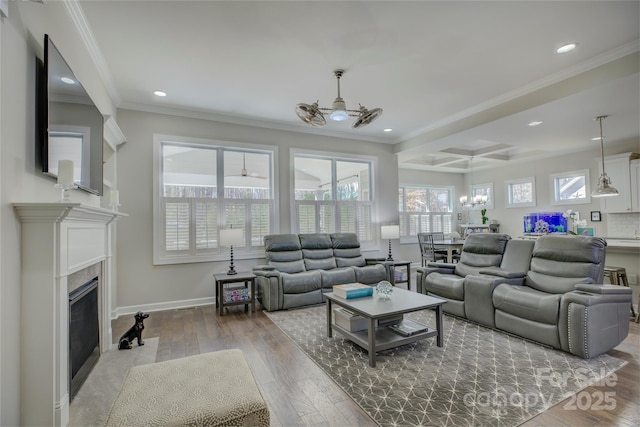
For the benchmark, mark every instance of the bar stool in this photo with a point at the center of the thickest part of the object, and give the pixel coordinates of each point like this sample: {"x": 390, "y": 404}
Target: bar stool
{"x": 618, "y": 276}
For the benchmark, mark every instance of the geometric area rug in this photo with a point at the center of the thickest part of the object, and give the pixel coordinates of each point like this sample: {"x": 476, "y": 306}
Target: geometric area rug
{"x": 480, "y": 377}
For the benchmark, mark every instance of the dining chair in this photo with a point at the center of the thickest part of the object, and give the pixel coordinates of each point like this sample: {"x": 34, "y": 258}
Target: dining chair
{"x": 439, "y": 235}
{"x": 427, "y": 250}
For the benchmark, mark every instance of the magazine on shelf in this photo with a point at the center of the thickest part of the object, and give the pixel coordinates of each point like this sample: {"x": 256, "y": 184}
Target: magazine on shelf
{"x": 408, "y": 327}
{"x": 352, "y": 290}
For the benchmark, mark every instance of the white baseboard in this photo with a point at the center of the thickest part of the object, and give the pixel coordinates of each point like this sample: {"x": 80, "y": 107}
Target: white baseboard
{"x": 171, "y": 305}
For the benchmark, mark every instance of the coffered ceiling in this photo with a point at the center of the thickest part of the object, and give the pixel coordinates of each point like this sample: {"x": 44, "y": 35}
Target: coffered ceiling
{"x": 455, "y": 79}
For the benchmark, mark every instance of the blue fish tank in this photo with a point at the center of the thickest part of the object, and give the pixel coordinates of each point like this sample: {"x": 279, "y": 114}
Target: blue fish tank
{"x": 545, "y": 223}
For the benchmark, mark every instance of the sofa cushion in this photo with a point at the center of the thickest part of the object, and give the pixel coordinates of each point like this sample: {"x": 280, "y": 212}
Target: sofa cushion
{"x": 337, "y": 276}
{"x": 320, "y": 264}
{"x": 283, "y": 251}
{"x": 298, "y": 283}
{"x": 315, "y": 241}
{"x": 559, "y": 263}
{"x": 446, "y": 285}
{"x": 481, "y": 250}
{"x": 527, "y": 303}
{"x": 357, "y": 261}
{"x": 281, "y": 242}
{"x": 296, "y": 266}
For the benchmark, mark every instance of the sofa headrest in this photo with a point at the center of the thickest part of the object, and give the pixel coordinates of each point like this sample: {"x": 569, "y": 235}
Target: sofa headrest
{"x": 345, "y": 240}
{"x": 315, "y": 241}
{"x": 486, "y": 243}
{"x": 281, "y": 242}
{"x": 570, "y": 249}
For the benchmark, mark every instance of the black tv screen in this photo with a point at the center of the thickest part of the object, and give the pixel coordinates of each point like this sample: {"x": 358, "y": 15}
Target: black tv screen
{"x": 70, "y": 126}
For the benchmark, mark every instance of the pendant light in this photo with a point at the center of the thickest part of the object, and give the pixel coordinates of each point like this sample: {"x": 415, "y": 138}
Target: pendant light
{"x": 603, "y": 189}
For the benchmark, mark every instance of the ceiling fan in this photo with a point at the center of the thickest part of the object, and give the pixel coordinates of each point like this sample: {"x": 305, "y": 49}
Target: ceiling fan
{"x": 245, "y": 173}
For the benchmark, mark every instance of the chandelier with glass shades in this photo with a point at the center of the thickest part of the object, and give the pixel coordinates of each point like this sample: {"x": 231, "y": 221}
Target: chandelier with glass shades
{"x": 478, "y": 199}
{"x": 314, "y": 115}
{"x": 603, "y": 189}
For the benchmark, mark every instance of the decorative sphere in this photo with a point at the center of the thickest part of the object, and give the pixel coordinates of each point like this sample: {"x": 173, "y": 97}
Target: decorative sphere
{"x": 384, "y": 289}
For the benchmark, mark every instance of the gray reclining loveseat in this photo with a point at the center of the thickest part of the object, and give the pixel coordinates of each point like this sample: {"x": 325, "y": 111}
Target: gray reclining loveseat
{"x": 302, "y": 267}
{"x": 559, "y": 301}
{"x": 480, "y": 250}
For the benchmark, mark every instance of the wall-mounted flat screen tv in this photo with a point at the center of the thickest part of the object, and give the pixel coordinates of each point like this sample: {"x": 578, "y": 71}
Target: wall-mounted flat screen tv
{"x": 70, "y": 126}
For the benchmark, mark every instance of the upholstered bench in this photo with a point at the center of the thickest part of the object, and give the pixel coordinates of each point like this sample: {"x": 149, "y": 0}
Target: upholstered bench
{"x": 209, "y": 389}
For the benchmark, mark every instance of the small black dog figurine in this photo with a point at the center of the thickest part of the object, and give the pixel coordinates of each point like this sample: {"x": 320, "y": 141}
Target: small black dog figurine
{"x": 134, "y": 332}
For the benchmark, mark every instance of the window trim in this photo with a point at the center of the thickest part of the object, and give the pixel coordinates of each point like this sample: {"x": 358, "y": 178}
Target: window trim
{"x": 373, "y": 165}
{"x": 509, "y": 195}
{"x": 587, "y": 187}
{"x": 490, "y": 200}
{"x": 160, "y": 256}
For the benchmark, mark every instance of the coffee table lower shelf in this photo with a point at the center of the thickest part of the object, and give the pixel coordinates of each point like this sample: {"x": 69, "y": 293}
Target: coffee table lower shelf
{"x": 385, "y": 337}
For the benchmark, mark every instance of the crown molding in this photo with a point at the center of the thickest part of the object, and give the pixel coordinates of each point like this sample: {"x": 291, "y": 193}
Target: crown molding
{"x": 74, "y": 10}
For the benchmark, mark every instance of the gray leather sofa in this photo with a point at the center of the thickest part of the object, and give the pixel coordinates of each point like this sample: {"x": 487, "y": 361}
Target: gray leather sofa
{"x": 558, "y": 301}
{"x": 301, "y": 268}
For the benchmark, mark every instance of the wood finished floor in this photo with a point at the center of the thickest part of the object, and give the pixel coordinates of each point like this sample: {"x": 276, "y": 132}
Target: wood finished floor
{"x": 300, "y": 394}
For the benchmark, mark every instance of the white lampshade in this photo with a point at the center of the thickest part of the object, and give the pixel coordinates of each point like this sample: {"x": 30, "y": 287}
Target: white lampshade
{"x": 231, "y": 237}
{"x": 390, "y": 232}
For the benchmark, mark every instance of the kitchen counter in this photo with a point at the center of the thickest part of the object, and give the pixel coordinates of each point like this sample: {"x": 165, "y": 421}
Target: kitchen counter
{"x": 616, "y": 244}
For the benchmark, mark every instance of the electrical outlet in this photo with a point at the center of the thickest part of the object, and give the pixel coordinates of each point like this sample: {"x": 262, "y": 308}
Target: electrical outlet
{"x": 633, "y": 279}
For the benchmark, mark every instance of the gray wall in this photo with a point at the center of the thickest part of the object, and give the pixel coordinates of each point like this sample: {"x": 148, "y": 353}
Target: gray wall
{"x": 143, "y": 285}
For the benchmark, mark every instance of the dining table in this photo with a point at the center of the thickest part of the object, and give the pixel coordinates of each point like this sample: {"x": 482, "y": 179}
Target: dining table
{"x": 450, "y": 245}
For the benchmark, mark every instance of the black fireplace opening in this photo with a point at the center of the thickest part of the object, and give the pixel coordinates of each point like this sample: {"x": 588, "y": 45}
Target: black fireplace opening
{"x": 84, "y": 334}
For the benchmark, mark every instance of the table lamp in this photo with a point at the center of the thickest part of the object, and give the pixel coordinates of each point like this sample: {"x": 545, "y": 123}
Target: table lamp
{"x": 230, "y": 237}
{"x": 390, "y": 232}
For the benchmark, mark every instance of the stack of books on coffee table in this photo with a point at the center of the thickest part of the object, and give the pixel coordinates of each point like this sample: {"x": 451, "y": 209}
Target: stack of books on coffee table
{"x": 352, "y": 290}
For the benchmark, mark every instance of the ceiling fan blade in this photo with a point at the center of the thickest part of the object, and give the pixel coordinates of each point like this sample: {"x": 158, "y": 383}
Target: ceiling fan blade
{"x": 311, "y": 115}
{"x": 366, "y": 117}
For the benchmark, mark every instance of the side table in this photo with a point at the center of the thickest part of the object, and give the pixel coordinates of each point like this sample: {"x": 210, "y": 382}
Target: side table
{"x": 407, "y": 264}
{"x": 243, "y": 276}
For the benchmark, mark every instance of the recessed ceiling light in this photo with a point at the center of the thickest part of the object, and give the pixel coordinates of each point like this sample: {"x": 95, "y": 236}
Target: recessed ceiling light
{"x": 535, "y": 123}
{"x": 68, "y": 80}
{"x": 159, "y": 93}
{"x": 567, "y": 47}
{"x": 387, "y": 130}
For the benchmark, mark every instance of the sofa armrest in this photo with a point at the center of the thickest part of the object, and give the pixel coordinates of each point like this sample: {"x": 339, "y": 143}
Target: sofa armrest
{"x": 388, "y": 267}
{"x": 501, "y": 272}
{"x": 264, "y": 267}
{"x": 423, "y": 272}
{"x": 442, "y": 265}
{"x": 594, "y": 319}
{"x": 603, "y": 289}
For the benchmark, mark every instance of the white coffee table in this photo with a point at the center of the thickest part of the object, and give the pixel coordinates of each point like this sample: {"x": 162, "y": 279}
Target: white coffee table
{"x": 373, "y": 308}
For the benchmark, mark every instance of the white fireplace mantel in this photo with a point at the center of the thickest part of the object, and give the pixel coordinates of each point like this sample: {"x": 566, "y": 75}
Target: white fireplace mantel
{"x": 58, "y": 239}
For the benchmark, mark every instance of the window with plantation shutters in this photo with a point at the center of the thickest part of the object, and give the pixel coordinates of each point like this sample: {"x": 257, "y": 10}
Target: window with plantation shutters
{"x": 425, "y": 210}
{"x": 333, "y": 195}
{"x": 202, "y": 187}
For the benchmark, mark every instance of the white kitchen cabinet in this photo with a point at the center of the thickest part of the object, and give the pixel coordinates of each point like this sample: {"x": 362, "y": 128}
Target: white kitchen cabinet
{"x": 618, "y": 169}
{"x": 635, "y": 186}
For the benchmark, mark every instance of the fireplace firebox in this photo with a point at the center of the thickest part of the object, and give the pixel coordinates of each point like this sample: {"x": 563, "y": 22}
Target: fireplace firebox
{"x": 84, "y": 334}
